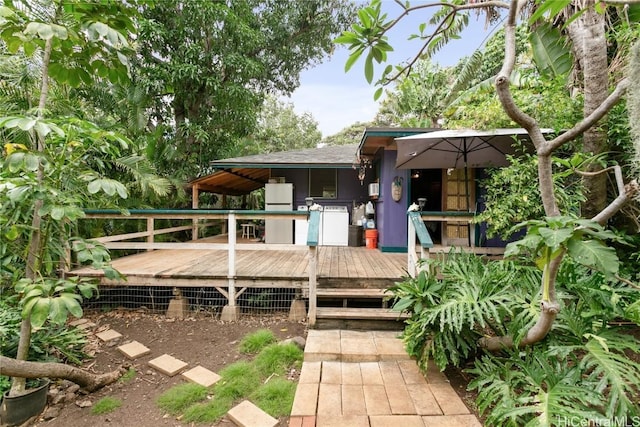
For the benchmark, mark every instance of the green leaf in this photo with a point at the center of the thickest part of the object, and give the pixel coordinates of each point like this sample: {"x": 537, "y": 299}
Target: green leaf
{"x": 551, "y": 55}
{"x": 26, "y": 123}
{"x": 57, "y": 212}
{"x": 40, "y": 312}
{"x": 31, "y": 162}
{"x": 553, "y": 8}
{"x": 347, "y": 37}
{"x": 364, "y": 18}
{"x": 57, "y": 311}
{"x": 94, "y": 186}
{"x": 377, "y": 94}
{"x": 87, "y": 289}
{"x": 72, "y": 304}
{"x": 352, "y": 59}
{"x": 593, "y": 253}
{"x": 368, "y": 67}
{"x": 12, "y": 233}
{"x": 555, "y": 238}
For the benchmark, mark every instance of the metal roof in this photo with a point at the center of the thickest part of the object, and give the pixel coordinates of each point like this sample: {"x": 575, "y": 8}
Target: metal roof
{"x": 233, "y": 181}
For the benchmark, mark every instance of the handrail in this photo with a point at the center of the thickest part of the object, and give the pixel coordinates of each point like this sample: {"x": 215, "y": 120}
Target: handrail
{"x": 313, "y": 234}
{"x": 416, "y": 227}
{"x": 231, "y": 216}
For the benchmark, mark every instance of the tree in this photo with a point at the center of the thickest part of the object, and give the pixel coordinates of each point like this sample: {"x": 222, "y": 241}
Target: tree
{"x": 55, "y": 165}
{"x": 419, "y": 99}
{"x": 209, "y": 65}
{"x": 279, "y": 128}
{"x": 551, "y": 240}
{"x": 351, "y": 134}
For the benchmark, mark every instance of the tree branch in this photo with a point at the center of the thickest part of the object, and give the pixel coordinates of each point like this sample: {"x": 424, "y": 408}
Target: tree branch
{"x": 591, "y": 120}
{"x": 88, "y": 381}
{"x": 438, "y": 30}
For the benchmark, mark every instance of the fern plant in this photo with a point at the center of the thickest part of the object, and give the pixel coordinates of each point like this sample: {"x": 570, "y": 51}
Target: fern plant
{"x": 582, "y": 371}
{"x": 450, "y": 314}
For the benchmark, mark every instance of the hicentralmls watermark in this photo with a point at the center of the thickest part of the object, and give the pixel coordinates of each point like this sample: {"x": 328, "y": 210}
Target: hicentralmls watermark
{"x": 598, "y": 422}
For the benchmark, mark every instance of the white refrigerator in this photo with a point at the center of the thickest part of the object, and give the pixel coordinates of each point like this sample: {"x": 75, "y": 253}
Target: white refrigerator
{"x": 278, "y": 197}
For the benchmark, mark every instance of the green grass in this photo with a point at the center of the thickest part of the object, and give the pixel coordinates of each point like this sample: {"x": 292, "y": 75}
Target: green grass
{"x": 256, "y": 341}
{"x": 276, "y": 358}
{"x": 106, "y": 405}
{"x": 241, "y": 380}
{"x": 275, "y": 397}
{"x": 209, "y": 412}
{"x": 238, "y": 379}
{"x": 178, "y": 398}
{"x": 128, "y": 376}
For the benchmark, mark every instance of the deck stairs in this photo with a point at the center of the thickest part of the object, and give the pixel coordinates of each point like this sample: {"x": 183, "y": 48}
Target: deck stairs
{"x": 356, "y": 304}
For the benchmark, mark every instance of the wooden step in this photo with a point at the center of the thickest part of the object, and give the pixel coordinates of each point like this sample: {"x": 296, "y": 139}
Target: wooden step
{"x": 359, "y": 313}
{"x": 351, "y": 293}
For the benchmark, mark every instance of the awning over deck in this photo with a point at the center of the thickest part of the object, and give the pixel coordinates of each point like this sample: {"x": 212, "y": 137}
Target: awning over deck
{"x": 233, "y": 181}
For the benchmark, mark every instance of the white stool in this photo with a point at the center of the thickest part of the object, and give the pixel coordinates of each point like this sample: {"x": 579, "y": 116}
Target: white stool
{"x": 248, "y": 230}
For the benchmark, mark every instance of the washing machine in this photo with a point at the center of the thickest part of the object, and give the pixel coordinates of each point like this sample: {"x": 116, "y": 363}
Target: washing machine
{"x": 335, "y": 226}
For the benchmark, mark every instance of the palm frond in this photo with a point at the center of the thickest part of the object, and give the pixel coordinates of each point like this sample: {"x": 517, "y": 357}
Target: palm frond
{"x": 144, "y": 175}
{"x": 465, "y": 75}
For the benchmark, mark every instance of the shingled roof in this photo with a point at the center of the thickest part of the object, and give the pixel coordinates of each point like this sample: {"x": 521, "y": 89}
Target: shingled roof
{"x": 241, "y": 175}
{"x": 334, "y": 156}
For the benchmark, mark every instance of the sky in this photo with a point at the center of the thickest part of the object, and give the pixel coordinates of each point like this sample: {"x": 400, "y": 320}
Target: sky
{"x": 337, "y": 99}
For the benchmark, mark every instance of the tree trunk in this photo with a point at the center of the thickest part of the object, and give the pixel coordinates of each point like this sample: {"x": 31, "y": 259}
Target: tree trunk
{"x": 34, "y": 254}
{"x": 86, "y": 380}
{"x": 590, "y": 48}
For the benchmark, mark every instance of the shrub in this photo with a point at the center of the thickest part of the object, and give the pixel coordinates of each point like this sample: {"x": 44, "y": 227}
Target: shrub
{"x": 53, "y": 343}
{"x": 581, "y": 369}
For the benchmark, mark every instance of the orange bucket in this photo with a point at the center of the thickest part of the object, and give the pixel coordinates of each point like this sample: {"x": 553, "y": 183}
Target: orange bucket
{"x": 371, "y": 238}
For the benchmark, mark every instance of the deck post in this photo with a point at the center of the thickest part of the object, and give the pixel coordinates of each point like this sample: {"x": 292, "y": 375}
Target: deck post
{"x": 411, "y": 249}
{"x": 150, "y": 228}
{"x": 230, "y": 311}
{"x": 195, "y": 201}
{"x": 313, "y": 267}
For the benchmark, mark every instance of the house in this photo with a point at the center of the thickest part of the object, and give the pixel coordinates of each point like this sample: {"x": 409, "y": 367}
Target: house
{"x": 371, "y": 171}
{"x": 325, "y": 174}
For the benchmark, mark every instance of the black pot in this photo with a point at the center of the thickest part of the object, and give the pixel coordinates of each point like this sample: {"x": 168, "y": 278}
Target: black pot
{"x": 15, "y": 410}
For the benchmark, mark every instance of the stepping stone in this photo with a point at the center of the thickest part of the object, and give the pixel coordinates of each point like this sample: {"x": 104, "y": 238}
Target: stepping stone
{"x": 168, "y": 365}
{"x": 246, "y": 414}
{"x": 202, "y": 376}
{"x": 78, "y": 322}
{"x": 86, "y": 325}
{"x": 108, "y": 335}
{"x": 133, "y": 350}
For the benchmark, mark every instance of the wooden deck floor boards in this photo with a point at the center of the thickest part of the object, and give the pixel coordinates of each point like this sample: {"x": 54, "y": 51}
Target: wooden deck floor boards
{"x": 333, "y": 263}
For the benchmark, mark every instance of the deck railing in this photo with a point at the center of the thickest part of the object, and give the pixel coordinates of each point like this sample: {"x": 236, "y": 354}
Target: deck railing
{"x": 229, "y": 220}
{"x": 416, "y": 227}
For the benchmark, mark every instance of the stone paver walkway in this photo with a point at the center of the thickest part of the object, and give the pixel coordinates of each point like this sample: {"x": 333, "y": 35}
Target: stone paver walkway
{"x": 354, "y": 378}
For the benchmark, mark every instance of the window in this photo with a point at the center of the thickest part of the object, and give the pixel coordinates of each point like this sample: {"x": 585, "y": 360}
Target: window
{"x": 322, "y": 183}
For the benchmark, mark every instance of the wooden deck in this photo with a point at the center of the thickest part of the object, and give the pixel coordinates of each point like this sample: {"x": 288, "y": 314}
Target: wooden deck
{"x": 254, "y": 268}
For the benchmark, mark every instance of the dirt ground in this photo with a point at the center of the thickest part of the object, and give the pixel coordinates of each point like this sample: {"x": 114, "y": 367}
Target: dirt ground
{"x": 198, "y": 341}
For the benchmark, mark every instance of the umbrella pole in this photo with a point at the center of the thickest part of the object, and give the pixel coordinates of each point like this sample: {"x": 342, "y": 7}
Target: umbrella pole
{"x": 466, "y": 186}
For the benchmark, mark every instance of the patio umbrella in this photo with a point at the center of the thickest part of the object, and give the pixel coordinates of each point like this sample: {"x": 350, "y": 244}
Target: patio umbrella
{"x": 455, "y": 149}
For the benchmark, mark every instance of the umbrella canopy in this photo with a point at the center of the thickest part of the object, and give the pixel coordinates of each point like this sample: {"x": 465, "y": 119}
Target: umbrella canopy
{"x": 458, "y": 148}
